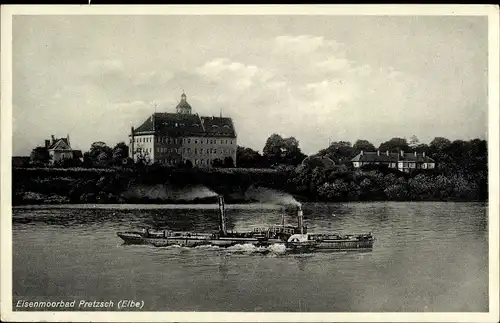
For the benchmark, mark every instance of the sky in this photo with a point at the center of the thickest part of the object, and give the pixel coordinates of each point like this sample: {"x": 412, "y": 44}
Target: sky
{"x": 317, "y": 78}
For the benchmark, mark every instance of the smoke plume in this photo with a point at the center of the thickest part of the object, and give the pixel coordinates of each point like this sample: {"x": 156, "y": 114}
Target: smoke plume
{"x": 267, "y": 195}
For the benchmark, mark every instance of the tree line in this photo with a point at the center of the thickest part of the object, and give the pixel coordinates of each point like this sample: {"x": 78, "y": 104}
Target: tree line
{"x": 461, "y": 171}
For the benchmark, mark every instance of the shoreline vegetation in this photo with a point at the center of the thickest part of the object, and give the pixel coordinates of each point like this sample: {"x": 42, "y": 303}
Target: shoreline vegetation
{"x": 280, "y": 175}
{"x": 157, "y": 185}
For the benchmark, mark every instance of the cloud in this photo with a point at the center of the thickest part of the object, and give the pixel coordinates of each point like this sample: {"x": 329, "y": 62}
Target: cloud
{"x": 153, "y": 78}
{"x": 328, "y": 81}
{"x": 236, "y": 75}
{"x": 306, "y": 44}
{"x": 104, "y": 67}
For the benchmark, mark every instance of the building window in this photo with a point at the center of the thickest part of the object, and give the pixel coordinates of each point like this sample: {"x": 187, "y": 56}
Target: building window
{"x": 201, "y": 151}
{"x": 189, "y": 141}
{"x": 195, "y": 151}
{"x": 215, "y": 151}
{"x": 196, "y": 141}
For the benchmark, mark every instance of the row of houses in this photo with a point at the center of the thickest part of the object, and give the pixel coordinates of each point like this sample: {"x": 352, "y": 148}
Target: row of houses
{"x": 402, "y": 161}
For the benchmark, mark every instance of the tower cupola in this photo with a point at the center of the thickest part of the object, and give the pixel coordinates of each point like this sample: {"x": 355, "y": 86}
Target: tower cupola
{"x": 183, "y": 107}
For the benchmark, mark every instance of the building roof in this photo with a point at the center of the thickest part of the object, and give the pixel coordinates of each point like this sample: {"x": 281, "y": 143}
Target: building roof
{"x": 183, "y": 123}
{"x": 372, "y": 156}
{"x": 177, "y": 124}
{"x": 61, "y": 144}
{"x": 183, "y": 106}
{"x": 419, "y": 158}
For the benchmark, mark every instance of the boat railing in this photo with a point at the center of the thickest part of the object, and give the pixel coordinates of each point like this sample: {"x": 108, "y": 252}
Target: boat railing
{"x": 275, "y": 229}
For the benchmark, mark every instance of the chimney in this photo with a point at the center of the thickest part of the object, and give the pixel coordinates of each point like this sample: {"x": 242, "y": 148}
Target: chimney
{"x": 47, "y": 143}
{"x": 415, "y": 154}
{"x": 378, "y": 152}
{"x": 402, "y": 153}
{"x": 153, "y": 121}
{"x": 300, "y": 219}
{"x": 361, "y": 153}
{"x": 67, "y": 139}
{"x": 53, "y": 138}
{"x": 387, "y": 152}
{"x": 423, "y": 154}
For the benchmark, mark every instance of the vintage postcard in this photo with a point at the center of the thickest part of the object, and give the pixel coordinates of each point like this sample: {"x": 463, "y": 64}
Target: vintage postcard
{"x": 305, "y": 163}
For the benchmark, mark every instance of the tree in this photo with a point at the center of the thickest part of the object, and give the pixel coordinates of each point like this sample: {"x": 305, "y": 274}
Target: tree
{"x": 364, "y": 145}
{"x": 143, "y": 158}
{"x": 414, "y": 142}
{"x": 228, "y": 162}
{"x": 279, "y": 150}
{"x": 439, "y": 143}
{"x": 99, "y": 154}
{"x": 395, "y": 144}
{"x": 40, "y": 156}
{"x": 217, "y": 163}
{"x": 249, "y": 158}
{"x": 119, "y": 153}
{"x": 273, "y": 149}
{"x": 340, "y": 152}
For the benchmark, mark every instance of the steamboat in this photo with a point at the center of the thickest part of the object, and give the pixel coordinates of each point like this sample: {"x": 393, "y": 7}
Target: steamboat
{"x": 295, "y": 238}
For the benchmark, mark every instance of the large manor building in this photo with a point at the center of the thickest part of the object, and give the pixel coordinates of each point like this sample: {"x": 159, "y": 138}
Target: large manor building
{"x": 178, "y": 138}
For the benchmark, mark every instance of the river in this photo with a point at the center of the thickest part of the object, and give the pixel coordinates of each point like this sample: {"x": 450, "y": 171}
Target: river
{"x": 427, "y": 256}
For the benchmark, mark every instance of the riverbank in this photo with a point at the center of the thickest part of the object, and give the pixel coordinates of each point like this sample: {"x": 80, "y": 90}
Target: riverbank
{"x": 141, "y": 186}
{"x": 34, "y": 186}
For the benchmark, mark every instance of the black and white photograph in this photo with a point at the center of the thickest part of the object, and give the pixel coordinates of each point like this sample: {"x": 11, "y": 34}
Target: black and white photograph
{"x": 254, "y": 163}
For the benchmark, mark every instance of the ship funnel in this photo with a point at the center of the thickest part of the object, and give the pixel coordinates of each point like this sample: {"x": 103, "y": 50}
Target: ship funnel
{"x": 222, "y": 213}
{"x": 300, "y": 219}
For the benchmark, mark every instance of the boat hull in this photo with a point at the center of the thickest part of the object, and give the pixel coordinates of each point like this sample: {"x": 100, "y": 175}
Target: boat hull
{"x": 193, "y": 241}
{"x": 338, "y": 245}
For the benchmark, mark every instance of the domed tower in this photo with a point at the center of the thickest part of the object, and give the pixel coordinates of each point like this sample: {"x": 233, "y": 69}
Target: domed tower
{"x": 183, "y": 107}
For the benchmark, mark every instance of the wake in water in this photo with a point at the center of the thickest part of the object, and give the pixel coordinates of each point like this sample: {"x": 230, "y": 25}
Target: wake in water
{"x": 267, "y": 195}
{"x": 276, "y": 249}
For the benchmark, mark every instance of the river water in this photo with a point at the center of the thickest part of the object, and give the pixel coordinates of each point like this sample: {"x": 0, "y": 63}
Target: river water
{"x": 427, "y": 257}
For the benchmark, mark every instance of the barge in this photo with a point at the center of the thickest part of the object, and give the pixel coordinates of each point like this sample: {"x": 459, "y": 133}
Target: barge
{"x": 295, "y": 238}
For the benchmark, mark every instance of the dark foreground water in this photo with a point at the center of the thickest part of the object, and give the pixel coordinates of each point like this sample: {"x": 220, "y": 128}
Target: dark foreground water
{"x": 427, "y": 257}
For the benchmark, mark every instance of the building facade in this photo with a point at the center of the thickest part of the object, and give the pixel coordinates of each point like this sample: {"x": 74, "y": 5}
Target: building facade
{"x": 402, "y": 161}
{"x": 183, "y": 137}
{"x": 54, "y": 151}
